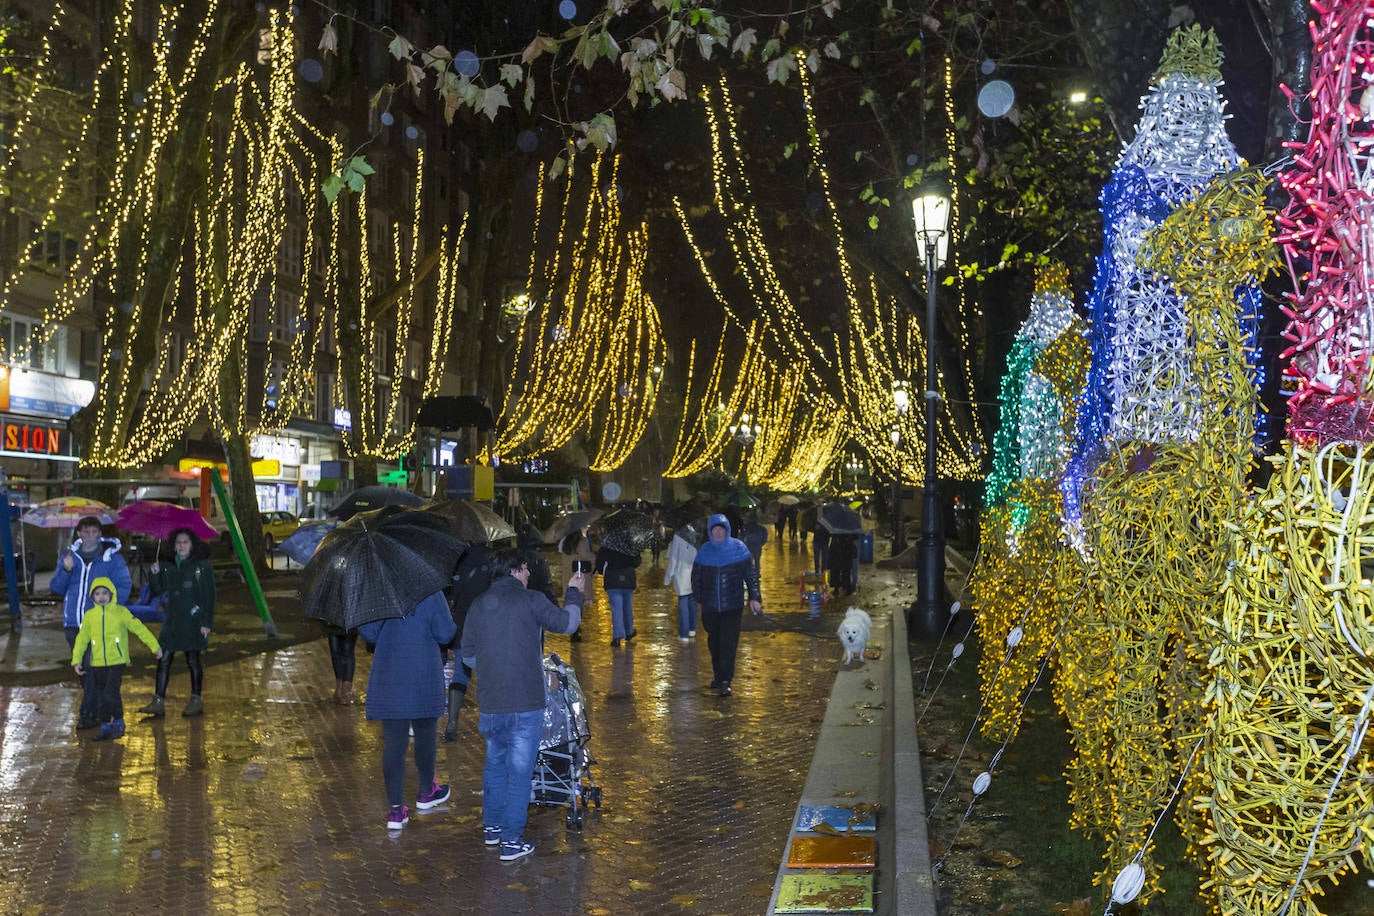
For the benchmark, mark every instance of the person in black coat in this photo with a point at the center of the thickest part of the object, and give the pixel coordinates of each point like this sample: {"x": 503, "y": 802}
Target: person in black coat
{"x": 618, "y": 579}
{"x": 844, "y": 548}
{"x": 471, "y": 578}
{"x": 531, "y": 543}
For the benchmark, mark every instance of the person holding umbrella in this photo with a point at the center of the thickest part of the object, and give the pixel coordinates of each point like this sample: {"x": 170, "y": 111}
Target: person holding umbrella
{"x": 406, "y": 692}
{"x": 578, "y": 556}
{"x": 89, "y": 557}
{"x": 503, "y": 642}
{"x": 723, "y": 576}
{"x": 619, "y": 580}
{"x": 189, "y": 584}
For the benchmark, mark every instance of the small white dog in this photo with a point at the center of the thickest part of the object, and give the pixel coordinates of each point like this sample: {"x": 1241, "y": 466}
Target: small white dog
{"x": 853, "y": 633}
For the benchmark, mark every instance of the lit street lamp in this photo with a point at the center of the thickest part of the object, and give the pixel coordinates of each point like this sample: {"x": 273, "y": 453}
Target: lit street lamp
{"x": 901, "y": 399}
{"x": 931, "y": 213}
{"x": 745, "y": 432}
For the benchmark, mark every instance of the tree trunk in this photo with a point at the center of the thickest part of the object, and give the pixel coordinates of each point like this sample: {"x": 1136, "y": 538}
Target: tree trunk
{"x": 364, "y": 470}
{"x": 244, "y": 497}
{"x": 1122, "y": 40}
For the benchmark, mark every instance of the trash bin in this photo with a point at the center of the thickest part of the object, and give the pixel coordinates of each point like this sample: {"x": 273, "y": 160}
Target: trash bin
{"x": 866, "y": 547}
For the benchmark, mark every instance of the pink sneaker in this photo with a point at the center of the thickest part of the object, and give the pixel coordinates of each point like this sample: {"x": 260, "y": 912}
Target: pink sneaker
{"x": 398, "y": 817}
{"x": 433, "y": 798}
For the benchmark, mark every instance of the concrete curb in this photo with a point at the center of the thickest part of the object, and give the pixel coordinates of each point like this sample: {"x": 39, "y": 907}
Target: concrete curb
{"x": 863, "y": 757}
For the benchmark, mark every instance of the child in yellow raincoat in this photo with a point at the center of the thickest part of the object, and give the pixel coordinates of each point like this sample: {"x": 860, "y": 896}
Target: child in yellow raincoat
{"x": 105, "y": 629}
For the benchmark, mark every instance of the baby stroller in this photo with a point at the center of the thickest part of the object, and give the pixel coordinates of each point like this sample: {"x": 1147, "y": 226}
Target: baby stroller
{"x": 563, "y": 769}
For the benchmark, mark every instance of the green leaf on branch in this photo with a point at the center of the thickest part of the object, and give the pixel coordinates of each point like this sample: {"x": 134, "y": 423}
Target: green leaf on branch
{"x": 601, "y": 131}
{"x": 779, "y": 69}
{"x": 400, "y": 48}
{"x": 332, "y": 187}
{"x": 788, "y": 150}
{"x": 744, "y": 43}
{"x": 512, "y": 74}
{"x": 494, "y": 98}
{"x": 359, "y": 165}
{"x": 873, "y": 221}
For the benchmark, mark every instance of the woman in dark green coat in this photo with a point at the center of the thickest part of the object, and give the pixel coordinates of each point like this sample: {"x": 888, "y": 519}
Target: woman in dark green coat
{"x": 188, "y": 583}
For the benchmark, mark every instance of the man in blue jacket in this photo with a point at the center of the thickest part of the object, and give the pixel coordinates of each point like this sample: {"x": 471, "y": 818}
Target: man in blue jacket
{"x": 723, "y": 576}
{"x": 89, "y": 557}
{"x": 503, "y": 640}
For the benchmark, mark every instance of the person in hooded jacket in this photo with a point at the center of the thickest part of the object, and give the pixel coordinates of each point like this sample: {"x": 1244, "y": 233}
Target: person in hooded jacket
{"x": 102, "y": 647}
{"x": 723, "y": 577}
{"x": 189, "y": 584}
{"x": 89, "y": 557}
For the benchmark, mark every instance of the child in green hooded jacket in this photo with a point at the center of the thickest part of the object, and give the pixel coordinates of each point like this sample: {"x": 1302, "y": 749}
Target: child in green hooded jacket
{"x": 105, "y": 629}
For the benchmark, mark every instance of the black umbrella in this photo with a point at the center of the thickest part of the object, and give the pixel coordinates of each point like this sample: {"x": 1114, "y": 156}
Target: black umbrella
{"x": 838, "y": 518}
{"x": 476, "y": 523}
{"x": 694, "y": 532}
{"x": 571, "y": 522}
{"x": 626, "y": 531}
{"x": 365, "y": 499}
{"x": 379, "y": 564}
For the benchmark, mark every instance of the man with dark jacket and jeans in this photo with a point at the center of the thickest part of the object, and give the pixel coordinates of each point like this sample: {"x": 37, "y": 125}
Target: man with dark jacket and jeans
{"x": 723, "y": 576}
{"x": 89, "y": 557}
{"x": 503, "y": 640}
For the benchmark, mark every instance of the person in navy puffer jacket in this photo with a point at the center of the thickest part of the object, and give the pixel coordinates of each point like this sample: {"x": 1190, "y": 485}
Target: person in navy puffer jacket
{"x": 89, "y": 557}
{"x": 723, "y": 577}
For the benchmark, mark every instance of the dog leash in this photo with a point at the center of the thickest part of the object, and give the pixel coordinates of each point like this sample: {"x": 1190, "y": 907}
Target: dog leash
{"x": 787, "y": 629}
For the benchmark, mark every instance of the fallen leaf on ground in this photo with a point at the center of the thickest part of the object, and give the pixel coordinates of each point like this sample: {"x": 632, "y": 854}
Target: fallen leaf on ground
{"x": 823, "y": 827}
{"x": 637, "y": 885}
{"x": 517, "y": 887}
{"x": 1001, "y": 857}
{"x": 739, "y": 805}
{"x": 1080, "y": 907}
{"x": 683, "y": 899}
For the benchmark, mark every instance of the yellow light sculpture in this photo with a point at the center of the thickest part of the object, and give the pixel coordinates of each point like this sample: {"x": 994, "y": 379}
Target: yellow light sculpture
{"x": 1161, "y": 518}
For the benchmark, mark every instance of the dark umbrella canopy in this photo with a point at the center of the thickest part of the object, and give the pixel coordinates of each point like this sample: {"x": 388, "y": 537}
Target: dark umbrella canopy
{"x": 840, "y": 519}
{"x": 694, "y": 532}
{"x": 379, "y": 564}
{"x": 570, "y": 522}
{"x": 476, "y": 523}
{"x": 365, "y": 499}
{"x": 741, "y": 500}
{"x": 301, "y": 544}
{"x": 626, "y": 531}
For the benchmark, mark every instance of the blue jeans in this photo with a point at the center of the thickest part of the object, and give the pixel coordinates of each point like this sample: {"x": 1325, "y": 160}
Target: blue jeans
{"x": 622, "y": 614}
{"x": 686, "y": 616}
{"x": 512, "y": 745}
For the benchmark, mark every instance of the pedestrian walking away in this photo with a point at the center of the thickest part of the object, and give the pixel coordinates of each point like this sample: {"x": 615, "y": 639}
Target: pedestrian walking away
{"x": 618, "y": 579}
{"x": 343, "y": 647}
{"x": 755, "y": 536}
{"x": 723, "y": 577}
{"x": 470, "y": 579}
{"x": 503, "y": 643}
{"x": 103, "y": 643}
{"x": 681, "y": 555}
{"x": 89, "y": 557}
{"x": 188, "y": 581}
{"x": 405, "y": 691}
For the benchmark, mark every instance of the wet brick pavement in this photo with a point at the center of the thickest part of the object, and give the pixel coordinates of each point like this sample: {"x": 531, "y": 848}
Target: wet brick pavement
{"x": 272, "y": 803}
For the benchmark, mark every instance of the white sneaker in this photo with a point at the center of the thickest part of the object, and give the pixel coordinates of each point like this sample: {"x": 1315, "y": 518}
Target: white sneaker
{"x": 691, "y": 632}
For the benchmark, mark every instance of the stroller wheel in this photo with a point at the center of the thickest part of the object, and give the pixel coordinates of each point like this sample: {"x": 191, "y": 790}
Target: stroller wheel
{"x": 574, "y": 819}
{"x": 596, "y": 796}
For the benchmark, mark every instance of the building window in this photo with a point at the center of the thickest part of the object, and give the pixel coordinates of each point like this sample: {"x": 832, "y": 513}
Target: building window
{"x": 90, "y": 356}
{"x": 284, "y": 313}
{"x": 258, "y": 314}
{"x": 289, "y": 254}
{"x": 324, "y": 397}
{"x": 21, "y": 336}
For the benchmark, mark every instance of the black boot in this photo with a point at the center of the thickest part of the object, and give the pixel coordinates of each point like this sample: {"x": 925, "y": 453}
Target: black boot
{"x": 456, "y": 695}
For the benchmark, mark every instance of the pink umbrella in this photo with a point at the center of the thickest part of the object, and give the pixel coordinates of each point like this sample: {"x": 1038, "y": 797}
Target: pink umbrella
{"x": 159, "y": 519}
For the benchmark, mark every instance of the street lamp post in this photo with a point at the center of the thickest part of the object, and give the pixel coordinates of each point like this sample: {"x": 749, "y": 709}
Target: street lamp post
{"x": 931, "y": 213}
{"x": 901, "y": 400}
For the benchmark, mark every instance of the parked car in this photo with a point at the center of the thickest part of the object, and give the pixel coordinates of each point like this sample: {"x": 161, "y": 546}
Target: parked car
{"x": 276, "y": 527}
